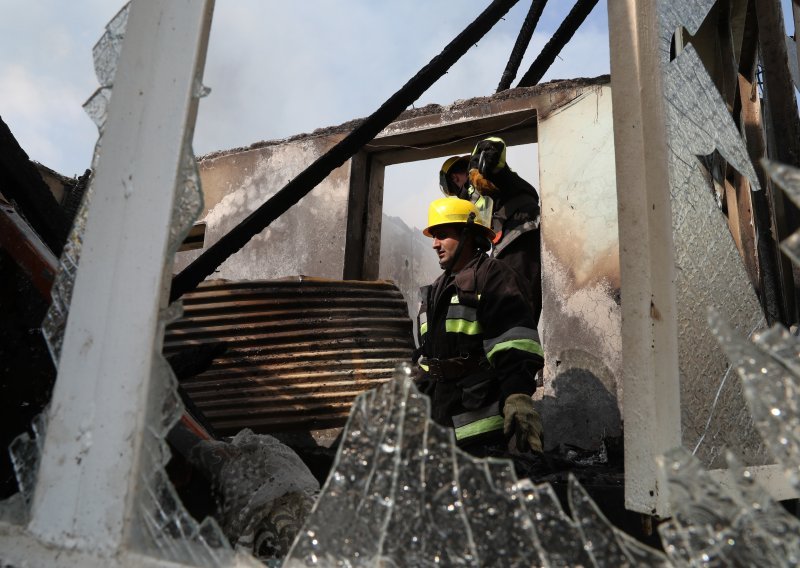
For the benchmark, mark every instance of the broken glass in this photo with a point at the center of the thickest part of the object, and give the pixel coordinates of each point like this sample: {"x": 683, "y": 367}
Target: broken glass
{"x": 25, "y": 451}
{"x": 106, "y": 55}
{"x": 709, "y": 269}
{"x": 769, "y": 371}
{"x": 788, "y": 179}
{"x": 165, "y": 528}
{"x": 733, "y": 525}
{"x": 402, "y": 494}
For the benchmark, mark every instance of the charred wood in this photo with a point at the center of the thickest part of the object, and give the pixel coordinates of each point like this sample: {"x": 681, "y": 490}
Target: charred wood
{"x": 523, "y": 39}
{"x": 309, "y": 178}
{"x": 563, "y": 34}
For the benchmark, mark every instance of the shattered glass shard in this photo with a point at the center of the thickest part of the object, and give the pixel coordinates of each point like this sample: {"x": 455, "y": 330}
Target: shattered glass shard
{"x": 599, "y": 536}
{"x": 771, "y": 387}
{"x": 26, "y": 451}
{"x": 108, "y": 48}
{"x": 672, "y": 16}
{"x": 402, "y": 494}
{"x": 165, "y": 528}
{"x": 97, "y": 106}
{"x": 698, "y": 121}
{"x": 555, "y": 530}
{"x": 732, "y": 525}
{"x": 200, "y": 90}
{"x": 788, "y": 179}
{"x": 106, "y": 55}
{"x": 714, "y": 414}
{"x": 188, "y": 201}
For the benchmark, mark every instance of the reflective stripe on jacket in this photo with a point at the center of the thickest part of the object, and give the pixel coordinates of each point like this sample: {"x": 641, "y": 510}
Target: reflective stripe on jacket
{"x": 479, "y": 313}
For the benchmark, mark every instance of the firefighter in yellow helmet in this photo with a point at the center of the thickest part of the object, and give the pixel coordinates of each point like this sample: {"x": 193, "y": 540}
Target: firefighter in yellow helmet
{"x": 453, "y": 177}
{"x": 478, "y": 342}
{"x": 515, "y": 215}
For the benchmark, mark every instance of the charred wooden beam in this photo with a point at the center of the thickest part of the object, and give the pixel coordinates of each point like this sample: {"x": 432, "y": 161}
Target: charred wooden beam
{"x": 563, "y": 34}
{"x": 309, "y": 178}
{"x": 21, "y": 184}
{"x": 783, "y": 130}
{"x": 523, "y": 39}
{"x": 771, "y": 265}
{"x": 778, "y": 84}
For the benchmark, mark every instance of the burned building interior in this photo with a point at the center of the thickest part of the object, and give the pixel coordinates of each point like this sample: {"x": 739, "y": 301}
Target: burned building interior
{"x": 260, "y": 400}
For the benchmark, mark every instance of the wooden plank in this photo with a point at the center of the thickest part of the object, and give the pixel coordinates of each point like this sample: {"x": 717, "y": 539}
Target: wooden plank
{"x": 195, "y": 238}
{"x": 372, "y": 232}
{"x": 357, "y": 202}
{"x": 747, "y": 233}
{"x": 783, "y": 131}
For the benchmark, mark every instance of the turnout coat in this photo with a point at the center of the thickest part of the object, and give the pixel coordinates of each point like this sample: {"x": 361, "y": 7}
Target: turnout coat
{"x": 479, "y": 344}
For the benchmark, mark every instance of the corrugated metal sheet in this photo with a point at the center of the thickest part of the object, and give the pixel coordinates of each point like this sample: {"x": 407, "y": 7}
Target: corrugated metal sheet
{"x": 299, "y": 350}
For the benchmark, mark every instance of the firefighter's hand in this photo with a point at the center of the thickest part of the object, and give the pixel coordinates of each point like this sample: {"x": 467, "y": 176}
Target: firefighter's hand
{"x": 523, "y": 422}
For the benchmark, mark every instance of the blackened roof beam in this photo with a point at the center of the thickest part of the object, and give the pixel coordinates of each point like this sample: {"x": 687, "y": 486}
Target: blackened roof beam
{"x": 523, "y": 39}
{"x": 563, "y": 34}
{"x": 308, "y": 179}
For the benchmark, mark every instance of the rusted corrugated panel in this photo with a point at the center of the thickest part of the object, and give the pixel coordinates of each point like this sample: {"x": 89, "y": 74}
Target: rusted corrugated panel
{"x": 299, "y": 350}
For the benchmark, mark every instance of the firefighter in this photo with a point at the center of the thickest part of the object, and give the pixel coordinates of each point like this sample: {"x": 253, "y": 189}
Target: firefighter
{"x": 515, "y": 215}
{"x": 453, "y": 177}
{"x": 478, "y": 340}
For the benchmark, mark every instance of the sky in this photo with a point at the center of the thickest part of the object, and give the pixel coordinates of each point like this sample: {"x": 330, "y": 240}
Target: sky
{"x": 279, "y": 68}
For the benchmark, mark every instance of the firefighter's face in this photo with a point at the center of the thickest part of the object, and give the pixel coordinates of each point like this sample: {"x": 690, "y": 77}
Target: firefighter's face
{"x": 459, "y": 179}
{"x": 445, "y": 242}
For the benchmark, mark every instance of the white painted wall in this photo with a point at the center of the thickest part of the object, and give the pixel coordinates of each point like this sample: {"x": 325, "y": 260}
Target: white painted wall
{"x": 581, "y": 322}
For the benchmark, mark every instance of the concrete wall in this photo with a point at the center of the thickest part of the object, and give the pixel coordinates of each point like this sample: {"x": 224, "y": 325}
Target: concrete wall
{"x": 408, "y": 259}
{"x": 581, "y": 316}
{"x": 309, "y": 239}
{"x": 581, "y": 323}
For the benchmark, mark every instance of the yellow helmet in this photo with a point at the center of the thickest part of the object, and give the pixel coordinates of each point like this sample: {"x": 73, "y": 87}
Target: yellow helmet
{"x": 451, "y": 210}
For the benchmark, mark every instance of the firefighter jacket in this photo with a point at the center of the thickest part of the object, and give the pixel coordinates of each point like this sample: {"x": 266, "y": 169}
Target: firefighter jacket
{"x": 515, "y": 221}
{"x": 479, "y": 345}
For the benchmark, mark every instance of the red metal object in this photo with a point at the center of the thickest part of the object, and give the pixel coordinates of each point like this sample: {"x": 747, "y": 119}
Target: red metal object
{"x": 27, "y": 249}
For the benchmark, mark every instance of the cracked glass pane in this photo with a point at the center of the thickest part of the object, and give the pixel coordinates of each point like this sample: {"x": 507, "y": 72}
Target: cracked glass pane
{"x": 106, "y": 54}
{"x": 25, "y": 451}
{"x": 402, "y": 494}
{"x": 771, "y": 378}
{"x": 733, "y": 525}
{"x": 788, "y": 179}
{"x": 710, "y": 271}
